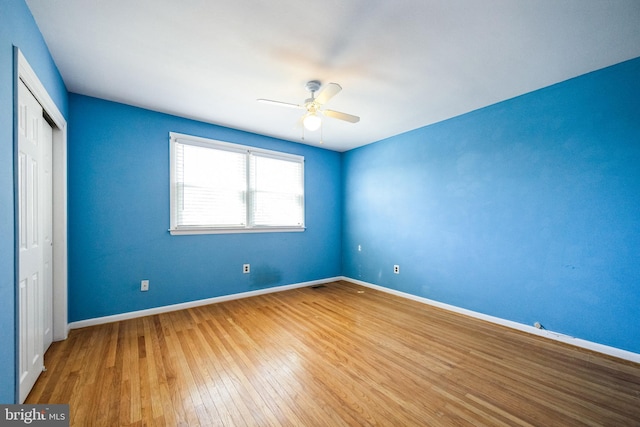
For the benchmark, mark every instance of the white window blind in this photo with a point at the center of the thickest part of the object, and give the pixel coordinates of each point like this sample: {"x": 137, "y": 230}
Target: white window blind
{"x": 219, "y": 187}
{"x": 277, "y": 193}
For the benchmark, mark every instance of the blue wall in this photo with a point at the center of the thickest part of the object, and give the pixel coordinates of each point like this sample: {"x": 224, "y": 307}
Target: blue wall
{"x": 119, "y": 217}
{"x": 527, "y": 210}
{"x": 16, "y": 29}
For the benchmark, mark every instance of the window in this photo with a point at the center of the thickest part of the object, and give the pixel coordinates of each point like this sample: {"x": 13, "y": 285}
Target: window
{"x": 218, "y": 187}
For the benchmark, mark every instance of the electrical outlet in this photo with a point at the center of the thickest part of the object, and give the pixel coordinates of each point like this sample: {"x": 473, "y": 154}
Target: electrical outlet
{"x": 246, "y": 268}
{"x": 144, "y": 285}
{"x": 396, "y": 269}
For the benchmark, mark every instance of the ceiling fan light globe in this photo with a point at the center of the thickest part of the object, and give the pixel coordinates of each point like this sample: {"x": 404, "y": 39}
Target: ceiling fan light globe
{"x": 312, "y": 122}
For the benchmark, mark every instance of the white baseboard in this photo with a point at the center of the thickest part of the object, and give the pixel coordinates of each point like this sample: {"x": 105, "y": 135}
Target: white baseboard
{"x": 190, "y": 304}
{"x": 577, "y": 342}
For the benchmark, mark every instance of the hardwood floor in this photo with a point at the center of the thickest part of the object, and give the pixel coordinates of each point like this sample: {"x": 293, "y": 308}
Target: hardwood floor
{"x": 336, "y": 355}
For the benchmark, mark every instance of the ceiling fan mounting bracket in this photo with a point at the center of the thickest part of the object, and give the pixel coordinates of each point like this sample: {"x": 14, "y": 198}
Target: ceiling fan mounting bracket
{"x": 312, "y": 86}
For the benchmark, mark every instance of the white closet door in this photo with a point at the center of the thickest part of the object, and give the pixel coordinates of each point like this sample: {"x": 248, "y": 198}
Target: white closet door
{"x": 47, "y": 236}
{"x": 34, "y": 217}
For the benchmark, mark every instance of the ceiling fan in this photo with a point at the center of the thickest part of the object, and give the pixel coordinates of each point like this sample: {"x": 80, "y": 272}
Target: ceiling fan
{"x": 312, "y": 119}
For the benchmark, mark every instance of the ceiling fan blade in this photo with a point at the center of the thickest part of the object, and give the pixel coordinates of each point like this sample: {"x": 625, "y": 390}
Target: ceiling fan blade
{"x": 281, "y": 104}
{"x": 329, "y": 91}
{"x": 341, "y": 116}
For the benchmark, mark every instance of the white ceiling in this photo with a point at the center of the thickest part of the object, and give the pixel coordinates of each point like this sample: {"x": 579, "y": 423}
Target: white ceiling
{"x": 402, "y": 64}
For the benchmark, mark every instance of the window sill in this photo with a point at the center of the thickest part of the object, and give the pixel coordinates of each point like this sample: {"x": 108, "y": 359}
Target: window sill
{"x": 234, "y": 230}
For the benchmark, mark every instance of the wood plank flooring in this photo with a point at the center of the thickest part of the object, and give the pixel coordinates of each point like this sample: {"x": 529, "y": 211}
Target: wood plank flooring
{"x": 336, "y": 355}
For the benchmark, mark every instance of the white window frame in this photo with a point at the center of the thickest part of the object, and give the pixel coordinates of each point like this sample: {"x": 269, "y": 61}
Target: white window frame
{"x": 176, "y": 229}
